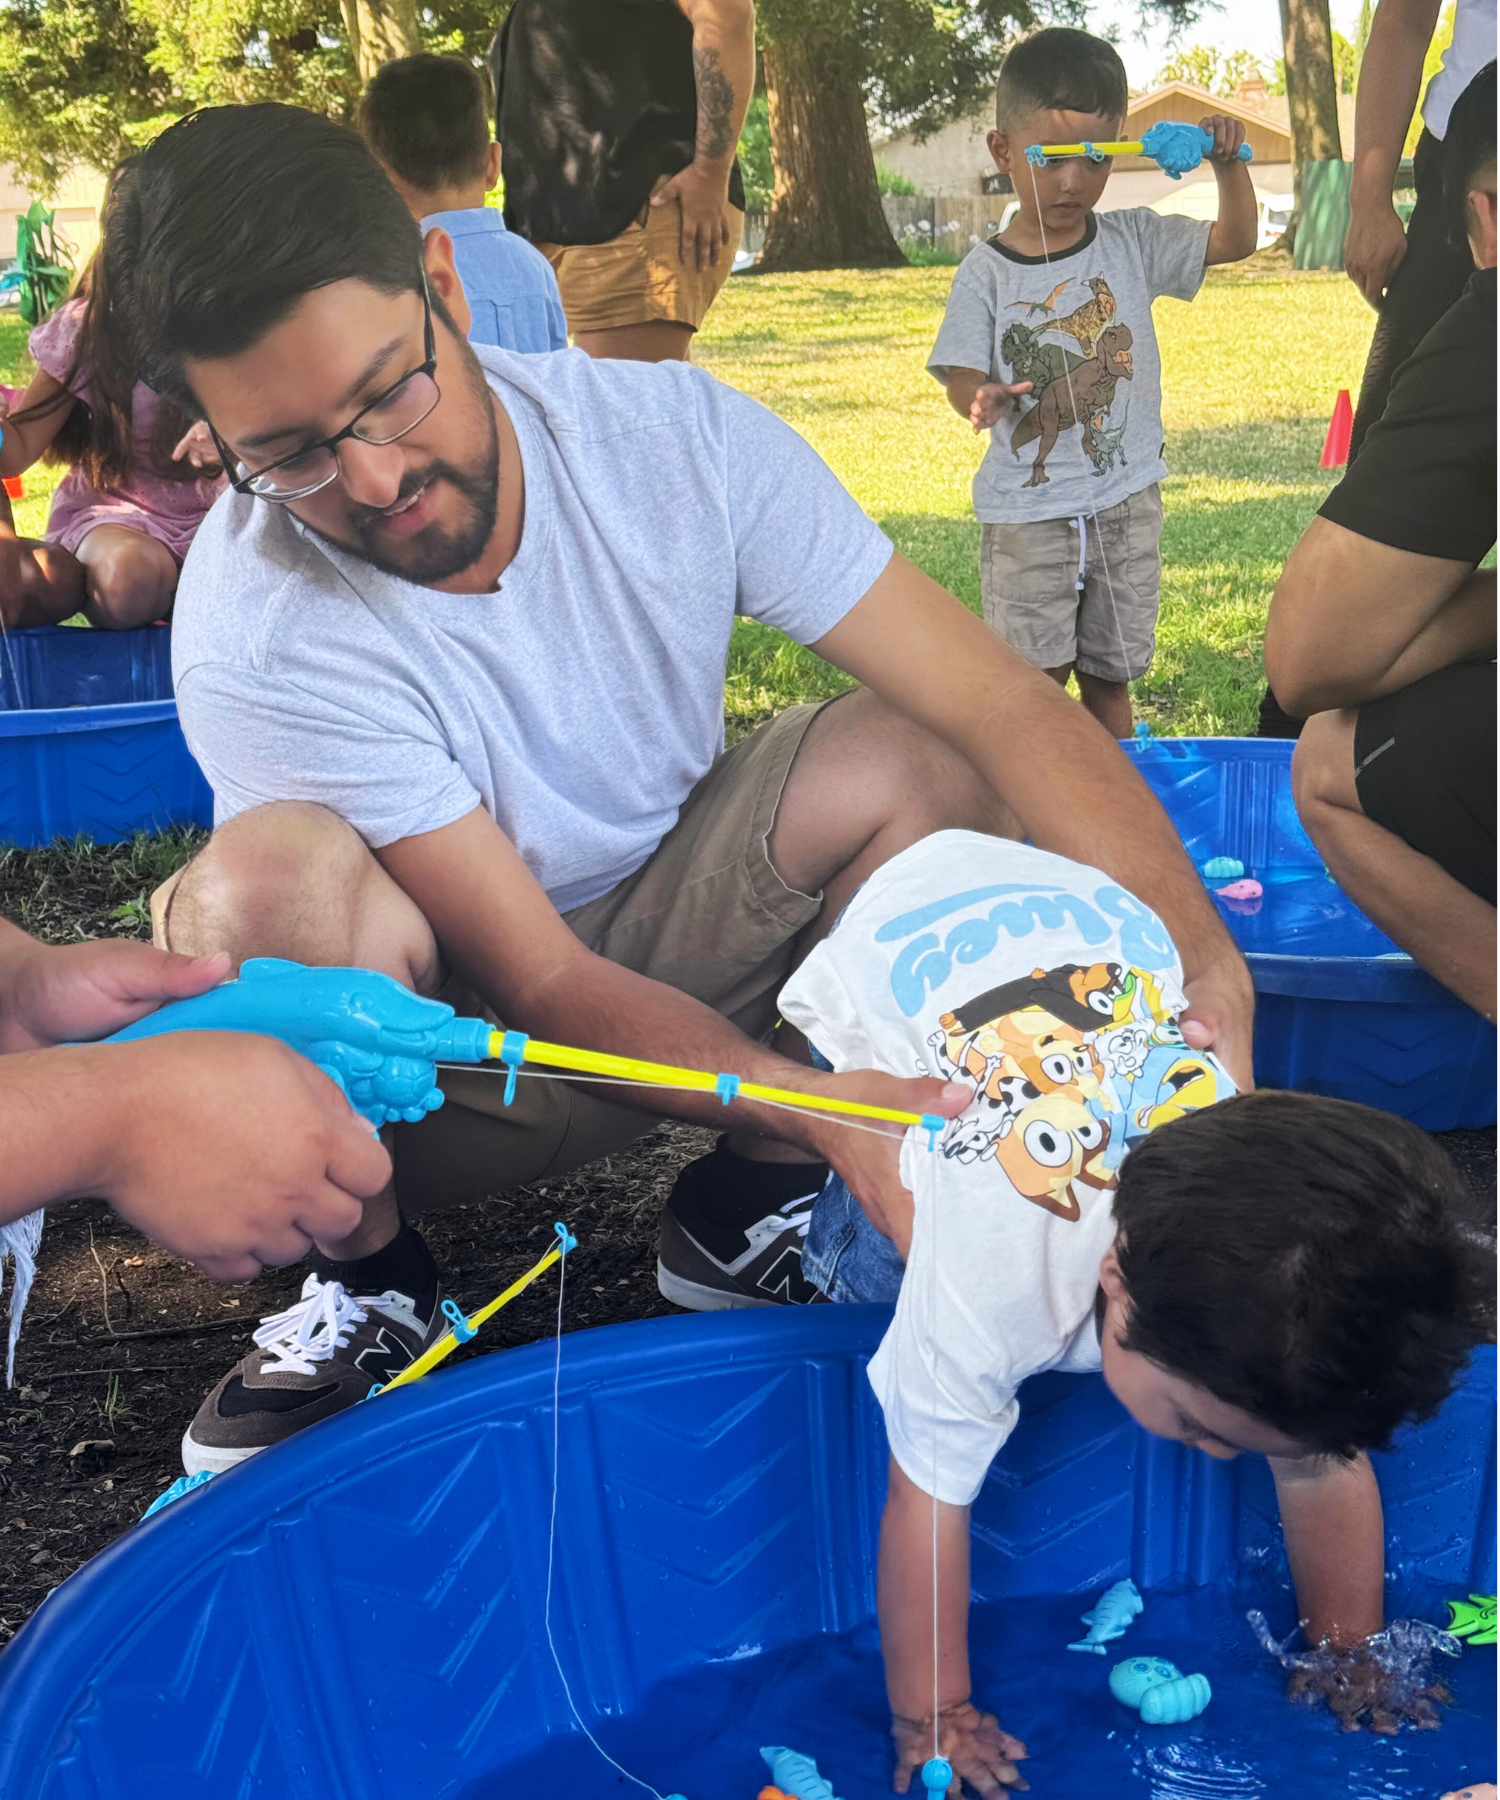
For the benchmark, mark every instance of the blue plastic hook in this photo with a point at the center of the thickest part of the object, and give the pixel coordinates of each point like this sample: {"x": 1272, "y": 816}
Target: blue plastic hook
{"x": 565, "y": 1239}
{"x": 937, "y": 1776}
{"x": 512, "y": 1054}
{"x": 462, "y": 1329}
{"x": 932, "y": 1124}
{"x": 727, "y": 1087}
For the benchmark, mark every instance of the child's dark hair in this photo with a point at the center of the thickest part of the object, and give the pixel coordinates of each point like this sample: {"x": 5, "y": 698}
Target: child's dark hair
{"x": 1302, "y": 1259}
{"x": 98, "y": 435}
{"x": 426, "y": 117}
{"x": 1061, "y": 70}
{"x": 219, "y": 227}
{"x": 1469, "y": 151}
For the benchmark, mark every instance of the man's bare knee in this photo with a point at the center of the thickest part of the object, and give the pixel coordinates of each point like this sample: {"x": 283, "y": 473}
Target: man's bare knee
{"x": 292, "y": 879}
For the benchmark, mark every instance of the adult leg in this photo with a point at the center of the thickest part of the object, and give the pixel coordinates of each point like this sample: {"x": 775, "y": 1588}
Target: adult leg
{"x": 1438, "y": 921}
{"x": 652, "y": 340}
{"x": 130, "y": 577}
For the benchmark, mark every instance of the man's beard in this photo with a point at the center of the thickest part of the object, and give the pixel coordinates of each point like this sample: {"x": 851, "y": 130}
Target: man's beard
{"x": 437, "y": 552}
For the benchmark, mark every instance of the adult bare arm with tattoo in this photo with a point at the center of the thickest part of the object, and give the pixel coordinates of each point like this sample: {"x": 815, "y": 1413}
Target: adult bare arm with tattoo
{"x": 724, "y": 70}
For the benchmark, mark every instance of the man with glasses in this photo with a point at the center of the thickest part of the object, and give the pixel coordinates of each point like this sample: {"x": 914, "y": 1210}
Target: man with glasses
{"x": 451, "y": 652}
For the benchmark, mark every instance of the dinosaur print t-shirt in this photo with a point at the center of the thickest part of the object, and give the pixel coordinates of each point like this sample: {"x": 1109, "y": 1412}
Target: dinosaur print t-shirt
{"x": 1078, "y": 327}
{"x": 1052, "y": 993}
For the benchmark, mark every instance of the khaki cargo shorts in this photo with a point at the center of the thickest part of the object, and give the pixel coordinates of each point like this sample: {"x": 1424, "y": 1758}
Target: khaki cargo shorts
{"x": 706, "y": 914}
{"x": 637, "y": 277}
{"x": 1029, "y": 582}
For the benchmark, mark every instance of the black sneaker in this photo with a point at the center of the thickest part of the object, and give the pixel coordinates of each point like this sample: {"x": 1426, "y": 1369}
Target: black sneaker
{"x": 706, "y": 1264}
{"x": 311, "y": 1361}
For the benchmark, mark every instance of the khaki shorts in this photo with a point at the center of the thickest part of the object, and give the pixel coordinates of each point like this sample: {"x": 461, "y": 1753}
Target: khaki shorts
{"x": 706, "y": 914}
{"x": 637, "y": 277}
{"x": 1029, "y": 583}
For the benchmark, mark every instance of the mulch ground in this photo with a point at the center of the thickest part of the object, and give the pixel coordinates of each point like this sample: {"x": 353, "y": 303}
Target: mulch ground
{"x": 122, "y": 1341}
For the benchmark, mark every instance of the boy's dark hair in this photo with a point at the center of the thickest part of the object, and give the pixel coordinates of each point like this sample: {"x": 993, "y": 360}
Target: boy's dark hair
{"x": 213, "y": 233}
{"x": 1302, "y": 1259}
{"x": 1061, "y": 70}
{"x": 1469, "y": 150}
{"x": 426, "y": 118}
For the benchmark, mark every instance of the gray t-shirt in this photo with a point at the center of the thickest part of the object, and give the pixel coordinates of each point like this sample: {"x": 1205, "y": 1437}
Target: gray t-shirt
{"x": 1078, "y": 327}
{"x": 580, "y": 702}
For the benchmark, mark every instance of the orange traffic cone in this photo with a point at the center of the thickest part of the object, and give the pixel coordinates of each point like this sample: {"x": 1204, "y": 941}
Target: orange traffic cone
{"x": 1340, "y": 429}
{"x": 14, "y": 488}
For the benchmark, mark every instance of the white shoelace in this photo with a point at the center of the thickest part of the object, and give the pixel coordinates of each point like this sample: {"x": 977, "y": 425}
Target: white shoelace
{"x": 309, "y": 1333}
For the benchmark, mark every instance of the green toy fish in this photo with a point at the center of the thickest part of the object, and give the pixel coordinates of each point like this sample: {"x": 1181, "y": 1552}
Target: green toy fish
{"x": 1473, "y": 1618}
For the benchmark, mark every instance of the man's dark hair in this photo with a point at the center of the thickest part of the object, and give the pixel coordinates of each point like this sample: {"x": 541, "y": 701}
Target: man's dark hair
{"x": 1061, "y": 70}
{"x": 214, "y": 232}
{"x": 1469, "y": 150}
{"x": 1302, "y": 1259}
{"x": 425, "y": 117}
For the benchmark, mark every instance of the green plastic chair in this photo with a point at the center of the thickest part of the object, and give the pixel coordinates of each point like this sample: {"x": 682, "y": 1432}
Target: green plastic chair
{"x": 43, "y": 263}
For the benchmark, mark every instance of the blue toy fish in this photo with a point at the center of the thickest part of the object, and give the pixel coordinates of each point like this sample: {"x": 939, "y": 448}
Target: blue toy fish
{"x": 796, "y": 1774}
{"x": 1159, "y": 1691}
{"x": 1111, "y": 1616}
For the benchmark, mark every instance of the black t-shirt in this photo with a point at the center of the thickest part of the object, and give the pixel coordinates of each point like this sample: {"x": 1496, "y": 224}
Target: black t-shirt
{"x": 595, "y": 99}
{"x": 1425, "y": 478}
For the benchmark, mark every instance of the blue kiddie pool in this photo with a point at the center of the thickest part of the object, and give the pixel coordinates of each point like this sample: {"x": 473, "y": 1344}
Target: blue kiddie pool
{"x": 89, "y": 738}
{"x": 363, "y": 1614}
{"x": 1339, "y": 1008}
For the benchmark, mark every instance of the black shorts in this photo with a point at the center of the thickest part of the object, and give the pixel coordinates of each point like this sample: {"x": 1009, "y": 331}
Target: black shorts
{"x": 1424, "y": 768}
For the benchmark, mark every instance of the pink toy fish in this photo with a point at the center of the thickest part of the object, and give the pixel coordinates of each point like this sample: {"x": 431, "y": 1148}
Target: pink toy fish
{"x": 1247, "y": 889}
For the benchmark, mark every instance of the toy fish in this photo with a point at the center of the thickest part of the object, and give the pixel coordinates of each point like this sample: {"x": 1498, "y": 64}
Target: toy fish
{"x": 1247, "y": 889}
{"x": 1474, "y": 1618}
{"x": 1110, "y": 1617}
{"x": 1159, "y": 1691}
{"x": 796, "y": 1775}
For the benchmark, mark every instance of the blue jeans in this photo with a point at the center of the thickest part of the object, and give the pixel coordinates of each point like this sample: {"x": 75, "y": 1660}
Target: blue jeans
{"x": 843, "y": 1253}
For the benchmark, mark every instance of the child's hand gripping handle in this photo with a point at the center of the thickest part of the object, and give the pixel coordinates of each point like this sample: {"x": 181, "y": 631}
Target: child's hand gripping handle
{"x": 379, "y": 1041}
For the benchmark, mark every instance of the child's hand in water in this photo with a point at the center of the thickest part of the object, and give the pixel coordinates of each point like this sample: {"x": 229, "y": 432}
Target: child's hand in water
{"x": 1360, "y": 1690}
{"x": 981, "y": 1753}
{"x": 993, "y": 400}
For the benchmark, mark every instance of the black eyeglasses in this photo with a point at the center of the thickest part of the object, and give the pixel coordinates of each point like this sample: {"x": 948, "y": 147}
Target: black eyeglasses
{"x": 390, "y": 415}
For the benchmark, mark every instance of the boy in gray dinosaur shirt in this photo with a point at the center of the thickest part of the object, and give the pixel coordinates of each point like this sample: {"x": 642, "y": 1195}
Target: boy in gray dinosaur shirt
{"x": 1047, "y": 343}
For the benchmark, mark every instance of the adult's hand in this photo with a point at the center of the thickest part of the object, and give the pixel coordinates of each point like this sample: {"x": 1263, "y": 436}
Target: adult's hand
{"x": 1374, "y": 246}
{"x": 1220, "y": 1016}
{"x": 51, "y": 994}
{"x": 703, "y": 195}
{"x": 870, "y": 1161}
{"x": 227, "y": 1148}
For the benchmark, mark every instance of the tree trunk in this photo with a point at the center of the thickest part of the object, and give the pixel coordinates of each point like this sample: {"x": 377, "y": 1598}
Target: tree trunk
{"x": 825, "y": 206}
{"x": 1312, "y": 94}
{"x": 379, "y": 31}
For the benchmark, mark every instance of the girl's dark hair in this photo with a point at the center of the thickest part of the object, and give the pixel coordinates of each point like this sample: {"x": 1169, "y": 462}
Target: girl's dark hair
{"x": 1061, "y": 70}
{"x": 97, "y": 435}
{"x": 1468, "y": 151}
{"x": 218, "y": 228}
{"x": 1302, "y": 1259}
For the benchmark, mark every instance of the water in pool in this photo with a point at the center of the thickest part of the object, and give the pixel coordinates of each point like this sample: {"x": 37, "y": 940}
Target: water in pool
{"x": 700, "y": 1733}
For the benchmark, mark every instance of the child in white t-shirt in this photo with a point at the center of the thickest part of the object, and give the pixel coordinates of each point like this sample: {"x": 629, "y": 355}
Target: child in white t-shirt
{"x": 1047, "y": 343}
{"x": 1280, "y": 1274}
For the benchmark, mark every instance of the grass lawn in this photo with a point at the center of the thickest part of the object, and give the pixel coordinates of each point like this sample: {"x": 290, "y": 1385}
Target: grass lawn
{"x": 1250, "y": 370}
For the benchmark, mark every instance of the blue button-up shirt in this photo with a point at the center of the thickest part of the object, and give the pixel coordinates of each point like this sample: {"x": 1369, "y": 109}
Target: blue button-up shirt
{"x": 510, "y": 287}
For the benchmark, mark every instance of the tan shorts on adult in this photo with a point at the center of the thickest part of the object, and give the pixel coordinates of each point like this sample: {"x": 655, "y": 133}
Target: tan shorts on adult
{"x": 1028, "y": 582}
{"x": 638, "y": 277}
{"x": 707, "y": 914}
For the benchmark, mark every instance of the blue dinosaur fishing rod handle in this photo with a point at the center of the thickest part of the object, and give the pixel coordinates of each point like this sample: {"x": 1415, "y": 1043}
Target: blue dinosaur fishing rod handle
{"x": 379, "y": 1041}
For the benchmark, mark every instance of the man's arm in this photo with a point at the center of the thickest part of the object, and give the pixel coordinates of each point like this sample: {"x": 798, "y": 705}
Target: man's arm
{"x": 1390, "y": 77}
{"x": 1237, "y": 225}
{"x": 1352, "y": 619}
{"x": 724, "y": 73}
{"x": 498, "y": 929}
{"x": 972, "y": 1741}
{"x": 1066, "y": 781}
